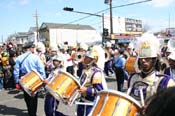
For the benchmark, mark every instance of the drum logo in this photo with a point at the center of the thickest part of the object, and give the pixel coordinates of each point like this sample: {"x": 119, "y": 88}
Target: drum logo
{"x": 137, "y": 87}
{"x": 83, "y": 79}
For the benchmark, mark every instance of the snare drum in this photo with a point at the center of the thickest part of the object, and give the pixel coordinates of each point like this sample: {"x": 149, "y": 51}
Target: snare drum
{"x": 114, "y": 103}
{"x": 64, "y": 86}
{"x": 130, "y": 64}
{"x": 31, "y": 82}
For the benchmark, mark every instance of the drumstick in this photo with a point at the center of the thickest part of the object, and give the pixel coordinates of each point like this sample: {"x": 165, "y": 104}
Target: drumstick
{"x": 85, "y": 103}
{"x": 142, "y": 98}
{"x": 129, "y": 91}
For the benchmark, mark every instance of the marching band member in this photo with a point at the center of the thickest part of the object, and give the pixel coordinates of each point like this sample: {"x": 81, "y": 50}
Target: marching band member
{"x": 171, "y": 69}
{"x": 25, "y": 63}
{"x": 93, "y": 78}
{"x": 40, "y": 48}
{"x": 146, "y": 83}
{"x": 108, "y": 59}
{"x": 171, "y": 59}
{"x": 51, "y": 103}
{"x": 80, "y": 56}
{"x": 49, "y": 64}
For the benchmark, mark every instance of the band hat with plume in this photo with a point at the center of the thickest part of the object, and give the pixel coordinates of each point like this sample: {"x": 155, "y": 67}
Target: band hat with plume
{"x": 148, "y": 46}
{"x": 97, "y": 53}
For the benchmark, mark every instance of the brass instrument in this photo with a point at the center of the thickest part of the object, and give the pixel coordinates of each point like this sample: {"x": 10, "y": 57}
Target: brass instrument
{"x": 107, "y": 55}
{"x": 78, "y": 56}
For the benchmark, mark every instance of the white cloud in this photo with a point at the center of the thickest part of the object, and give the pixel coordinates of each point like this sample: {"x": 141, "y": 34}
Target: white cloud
{"x": 23, "y": 2}
{"x": 157, "y": 3}
{"x": 161, "y": 3}
{"x": 11, "y": 4}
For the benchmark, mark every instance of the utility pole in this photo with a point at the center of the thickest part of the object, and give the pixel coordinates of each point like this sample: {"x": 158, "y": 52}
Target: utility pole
{"x": 37, "y": 30}
{"x": 111, "y": 17}
{"x": 109, "y": 2}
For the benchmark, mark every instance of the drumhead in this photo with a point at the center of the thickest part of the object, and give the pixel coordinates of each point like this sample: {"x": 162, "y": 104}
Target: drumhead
{"x": 122, "y": 95}
{"x": 38, "y": 74}
{"x": 69, "y": 75}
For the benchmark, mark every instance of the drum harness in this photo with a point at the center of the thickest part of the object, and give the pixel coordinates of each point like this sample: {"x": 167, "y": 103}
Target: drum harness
{"x": 20, "y": 72}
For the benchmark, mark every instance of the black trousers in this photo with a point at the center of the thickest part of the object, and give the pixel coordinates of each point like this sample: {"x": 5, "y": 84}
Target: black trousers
{"x": 108, "y": 67}
{"x": 31, "y": 103}
{"x": 119, "y": 73}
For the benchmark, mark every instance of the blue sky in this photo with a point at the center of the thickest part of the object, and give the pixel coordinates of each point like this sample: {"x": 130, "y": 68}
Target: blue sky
{"x": 17, "y": 15}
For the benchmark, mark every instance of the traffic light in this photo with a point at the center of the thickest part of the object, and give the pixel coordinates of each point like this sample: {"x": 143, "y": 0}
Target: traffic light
{"x": 105, "y": 32}
{"x": 68, "y": 9}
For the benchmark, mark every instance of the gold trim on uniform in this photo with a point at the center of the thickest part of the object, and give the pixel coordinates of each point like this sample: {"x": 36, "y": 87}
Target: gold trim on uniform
{"x": 97, "y": 78}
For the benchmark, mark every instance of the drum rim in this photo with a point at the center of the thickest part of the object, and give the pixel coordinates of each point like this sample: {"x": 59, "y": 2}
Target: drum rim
{"x": 25, "y": 88}
{"x": 23, "y": 85}
{"x": 123, "y": 95}
{"x": 72, "y": 76}
{"x": 38, "y": 74}
{"x": 54, "y": 94}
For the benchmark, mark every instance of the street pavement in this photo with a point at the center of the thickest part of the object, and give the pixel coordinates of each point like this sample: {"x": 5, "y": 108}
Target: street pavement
{"x": 12, "y": 102}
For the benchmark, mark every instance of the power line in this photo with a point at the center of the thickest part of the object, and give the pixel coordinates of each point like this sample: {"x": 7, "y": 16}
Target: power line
{"x": 101, "y": 11}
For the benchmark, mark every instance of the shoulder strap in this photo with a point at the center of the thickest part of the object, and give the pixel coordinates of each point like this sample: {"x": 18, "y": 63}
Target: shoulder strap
{"x": 24, "y": 59}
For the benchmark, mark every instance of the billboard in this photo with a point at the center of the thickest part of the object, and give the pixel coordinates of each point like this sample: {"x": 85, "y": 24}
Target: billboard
{"x": 170, "y": 32}
{"x": 123, "y": 25}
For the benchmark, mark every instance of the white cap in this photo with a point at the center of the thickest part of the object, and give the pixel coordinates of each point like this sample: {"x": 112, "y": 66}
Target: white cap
{"x": 54, "y": 48}
{"x": 58, "y": 57}
{"x": 84, "y": 46}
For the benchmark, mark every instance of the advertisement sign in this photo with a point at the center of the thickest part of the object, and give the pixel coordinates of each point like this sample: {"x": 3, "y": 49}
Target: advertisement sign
{"x": 123, "y": 25}
{"x": 133, "y": 25}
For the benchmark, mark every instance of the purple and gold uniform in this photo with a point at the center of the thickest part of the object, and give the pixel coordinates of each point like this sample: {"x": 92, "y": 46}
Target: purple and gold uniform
{"x": 92, "y": 79}
{"x": 145, "y": 84}
{"x": 149, "y": 84}
{"x": 94, "y": 84}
